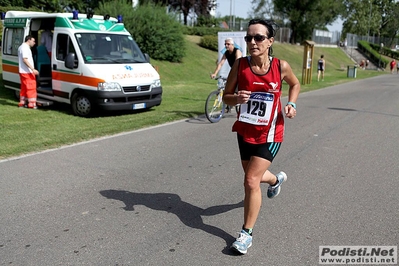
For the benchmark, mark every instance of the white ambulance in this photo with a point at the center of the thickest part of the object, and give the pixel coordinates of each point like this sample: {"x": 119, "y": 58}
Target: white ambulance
{"x": 94, "y": 63}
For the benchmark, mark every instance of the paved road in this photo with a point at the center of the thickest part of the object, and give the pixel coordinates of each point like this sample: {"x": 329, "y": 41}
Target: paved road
{"x": 172, "y": 195}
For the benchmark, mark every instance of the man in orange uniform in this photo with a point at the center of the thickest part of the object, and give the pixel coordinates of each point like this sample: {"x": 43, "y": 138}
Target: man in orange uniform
{"x": 27, "y": 74}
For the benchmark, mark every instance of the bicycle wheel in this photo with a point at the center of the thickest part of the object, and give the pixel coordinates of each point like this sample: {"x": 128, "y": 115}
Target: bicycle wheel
{"x": 214, "y": 106}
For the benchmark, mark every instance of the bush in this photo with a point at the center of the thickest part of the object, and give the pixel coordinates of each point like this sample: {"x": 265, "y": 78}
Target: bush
{"x": 202, "y": 31}
{"x": 209, "y": 42}
{"x": 209, "y": 35}
{"x": 207, "y": 21}
{"x": 390, "y": 53}
{"x": 157, "y": 33}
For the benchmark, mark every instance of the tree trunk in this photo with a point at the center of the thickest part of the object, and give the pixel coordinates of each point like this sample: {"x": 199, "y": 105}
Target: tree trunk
{"x": 185, "y": 15}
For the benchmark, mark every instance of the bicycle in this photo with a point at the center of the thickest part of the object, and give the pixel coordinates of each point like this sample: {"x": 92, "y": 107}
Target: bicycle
{"x": 214, "y": 105}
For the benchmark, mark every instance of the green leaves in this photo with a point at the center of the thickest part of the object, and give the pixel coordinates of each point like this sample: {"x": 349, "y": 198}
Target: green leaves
{"x": 371, "y": 17}
{"x": 301, "y": 16}
{"x": 157, "y": 33}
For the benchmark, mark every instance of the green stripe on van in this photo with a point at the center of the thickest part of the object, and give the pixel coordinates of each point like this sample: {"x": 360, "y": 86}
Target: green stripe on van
{"x": 10, "y": 62}
{"x": 68, "y": 71}
{"x": 89, "y": 24}
{"x": 62, "y": 23}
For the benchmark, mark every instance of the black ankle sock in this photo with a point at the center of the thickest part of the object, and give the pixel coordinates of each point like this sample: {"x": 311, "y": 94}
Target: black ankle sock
{"x": 248, "y": 230}
{"x": 276, "y": 182}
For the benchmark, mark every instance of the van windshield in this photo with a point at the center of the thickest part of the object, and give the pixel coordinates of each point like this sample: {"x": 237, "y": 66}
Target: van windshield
{"x": 103, "y": 48}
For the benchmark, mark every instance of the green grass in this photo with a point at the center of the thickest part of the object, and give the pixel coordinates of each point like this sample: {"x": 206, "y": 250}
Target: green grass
{"x": 186, "y": 86}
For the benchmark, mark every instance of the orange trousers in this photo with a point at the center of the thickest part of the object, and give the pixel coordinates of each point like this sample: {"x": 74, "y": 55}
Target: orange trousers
{"x": 28, "y": 90}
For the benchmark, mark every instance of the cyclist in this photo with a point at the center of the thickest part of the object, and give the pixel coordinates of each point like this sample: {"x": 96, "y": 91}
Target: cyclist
{"x": 231, "y": 54}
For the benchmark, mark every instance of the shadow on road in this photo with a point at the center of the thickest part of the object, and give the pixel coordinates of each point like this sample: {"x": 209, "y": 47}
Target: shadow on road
{"x": 363, "y": 111}
{"x": 188, "y": 214}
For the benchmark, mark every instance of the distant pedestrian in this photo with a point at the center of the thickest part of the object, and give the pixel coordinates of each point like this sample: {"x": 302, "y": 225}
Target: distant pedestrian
{"x": 397, "y": 67}
{"x": 321, "y": 66}
{"x": 362, "y": 64}
{"x": 392, "y": 65}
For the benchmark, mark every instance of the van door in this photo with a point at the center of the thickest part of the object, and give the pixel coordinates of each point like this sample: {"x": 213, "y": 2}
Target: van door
{"x": 12, "y": 39}
{"x": 44, "y": 42}
{"x": 65, "y": 80}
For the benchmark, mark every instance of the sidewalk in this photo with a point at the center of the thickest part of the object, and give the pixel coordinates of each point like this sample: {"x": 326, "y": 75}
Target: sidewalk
{"x": 356, "y": 56}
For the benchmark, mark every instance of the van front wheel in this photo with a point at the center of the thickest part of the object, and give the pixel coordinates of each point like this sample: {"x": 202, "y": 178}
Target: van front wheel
{"x": 81, "y": 105}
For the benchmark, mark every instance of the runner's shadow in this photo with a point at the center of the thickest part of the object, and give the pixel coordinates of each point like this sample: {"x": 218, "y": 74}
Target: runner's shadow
{"x": 188, "y": 214}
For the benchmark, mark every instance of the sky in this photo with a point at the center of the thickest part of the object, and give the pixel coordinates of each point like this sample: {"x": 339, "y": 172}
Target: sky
{"x": 240, "y": 8}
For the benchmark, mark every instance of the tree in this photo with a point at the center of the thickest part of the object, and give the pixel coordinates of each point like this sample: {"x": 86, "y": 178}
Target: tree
{"x": 5, "y": 3}
{"x": 157, "y": 33}
{"x": 306, "y": 15}
{"x": 60, "y": 5}
{"x": 391, "y": 27}
{"x": 204, "y": 7}
{"x": 301, "y": 16}
{"x": 184, "y": 6}
{"x": 262, "y": 9}
{"x": 362, "y": 17}
{"x": 371, "y": 17}
{"x": 198, "y": 7}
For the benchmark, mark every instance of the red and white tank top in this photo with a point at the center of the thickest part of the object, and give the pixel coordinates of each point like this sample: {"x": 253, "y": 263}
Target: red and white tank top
{"x": 261, "y": 119}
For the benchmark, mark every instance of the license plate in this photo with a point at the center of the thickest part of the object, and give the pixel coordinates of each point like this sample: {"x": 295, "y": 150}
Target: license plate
{"x": 138, "y": 106}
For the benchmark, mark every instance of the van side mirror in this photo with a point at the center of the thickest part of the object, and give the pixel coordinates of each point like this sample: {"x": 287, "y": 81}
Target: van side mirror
{"x": 147, "y": 57}
{"x": 70, "y": 61}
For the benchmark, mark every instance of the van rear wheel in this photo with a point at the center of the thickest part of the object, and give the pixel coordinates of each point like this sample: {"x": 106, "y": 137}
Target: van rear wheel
{"x": 81, "y": 105}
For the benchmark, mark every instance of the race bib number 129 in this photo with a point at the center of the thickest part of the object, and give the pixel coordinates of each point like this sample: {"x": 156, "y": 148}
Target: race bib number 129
{"x": 258, "y": 109}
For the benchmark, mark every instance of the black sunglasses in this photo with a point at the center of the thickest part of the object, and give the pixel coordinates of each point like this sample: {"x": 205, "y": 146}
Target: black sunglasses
{"x": 257, "y": 37}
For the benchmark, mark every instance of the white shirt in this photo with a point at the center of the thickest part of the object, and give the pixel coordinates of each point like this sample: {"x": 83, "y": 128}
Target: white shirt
{"x": 24, "y": 51}
{"x": 46, "y": 39}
